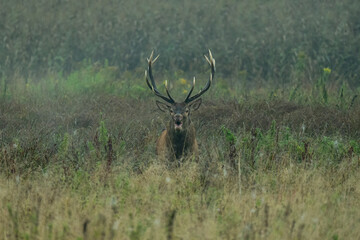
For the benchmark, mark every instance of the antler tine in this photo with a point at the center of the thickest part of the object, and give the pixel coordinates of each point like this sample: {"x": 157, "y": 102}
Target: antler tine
{"x": 156, "y": 59}
{"x": 152, "y": 85}
{"x": 211, "y": 62}
{"x": 157, "y": 93}
{"x": 191, "y": 90}
{"x": 167, "y": 91}
{"x": 151, "y": 56}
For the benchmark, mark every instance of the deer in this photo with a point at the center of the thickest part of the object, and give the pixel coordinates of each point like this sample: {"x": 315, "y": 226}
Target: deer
{"x": 178, "y": 140}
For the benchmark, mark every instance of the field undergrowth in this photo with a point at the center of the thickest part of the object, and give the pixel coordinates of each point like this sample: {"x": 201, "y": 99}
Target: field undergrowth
{"x": 77, "y": 160}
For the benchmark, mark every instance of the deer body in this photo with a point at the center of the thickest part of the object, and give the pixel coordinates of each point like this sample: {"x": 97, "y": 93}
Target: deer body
{"x": 179, "y": 138}
{"x": 174, "y": 145}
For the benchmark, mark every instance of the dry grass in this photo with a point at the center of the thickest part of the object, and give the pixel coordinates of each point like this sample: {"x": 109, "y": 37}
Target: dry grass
{"x": 290, "y": 203}
{"x": 56, "y": 189}
{"x": 77, "y": 161}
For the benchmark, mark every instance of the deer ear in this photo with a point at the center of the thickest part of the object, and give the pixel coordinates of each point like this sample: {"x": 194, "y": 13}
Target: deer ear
{"x": 162, "y": 106}
{"x": 195, "y": 105}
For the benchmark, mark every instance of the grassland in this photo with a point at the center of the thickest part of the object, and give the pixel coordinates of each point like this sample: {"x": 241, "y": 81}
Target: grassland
{"x": 278, "y": 132}
{"x": 77, "y": 161}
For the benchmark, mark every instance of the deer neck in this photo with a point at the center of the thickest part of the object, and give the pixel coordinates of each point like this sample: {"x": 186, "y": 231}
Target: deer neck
{"x": 182, "y": 141}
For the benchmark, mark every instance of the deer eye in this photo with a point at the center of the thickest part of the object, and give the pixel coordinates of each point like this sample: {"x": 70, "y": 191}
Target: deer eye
{"x": 187, "y": 111}
{"x": 171, "y": 111}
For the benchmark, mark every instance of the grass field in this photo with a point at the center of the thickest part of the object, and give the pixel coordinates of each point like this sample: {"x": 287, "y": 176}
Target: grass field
{"x": 78, "y": 160}
{"x": 278, "y": 131}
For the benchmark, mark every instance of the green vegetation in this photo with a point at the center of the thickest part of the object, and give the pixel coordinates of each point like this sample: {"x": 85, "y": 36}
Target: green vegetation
{"x": 78, "y": 161}
{"x": 271, "y": 41}
{"x": 278, "y": 132}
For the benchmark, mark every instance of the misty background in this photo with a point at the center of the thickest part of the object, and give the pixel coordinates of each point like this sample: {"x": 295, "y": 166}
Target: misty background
{"x": 259, "y": 41}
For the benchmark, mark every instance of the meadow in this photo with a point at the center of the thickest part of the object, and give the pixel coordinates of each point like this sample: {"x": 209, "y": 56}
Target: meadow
{"x": 278, "y": 131}
{"x": 78, "y": 161}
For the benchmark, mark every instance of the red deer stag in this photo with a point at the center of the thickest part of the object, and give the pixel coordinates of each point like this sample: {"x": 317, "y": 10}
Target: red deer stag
{"x": 179, "y": 138}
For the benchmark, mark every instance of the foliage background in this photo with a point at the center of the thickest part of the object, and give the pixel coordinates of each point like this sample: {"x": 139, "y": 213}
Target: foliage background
{"x": 266, "y": 40}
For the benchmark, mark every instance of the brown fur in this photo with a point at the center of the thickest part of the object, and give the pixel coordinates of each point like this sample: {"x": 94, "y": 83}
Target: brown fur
{"x": 172, "y": 145}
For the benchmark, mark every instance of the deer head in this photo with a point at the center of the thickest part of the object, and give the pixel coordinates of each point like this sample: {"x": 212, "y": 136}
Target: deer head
{"x": 179, "y": 111}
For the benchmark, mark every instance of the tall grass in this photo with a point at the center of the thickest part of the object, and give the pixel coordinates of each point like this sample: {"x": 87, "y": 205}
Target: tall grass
{"x": 77, "y": 160}
{"x": 278, "y": 131}
{"x": 291, "y": 202}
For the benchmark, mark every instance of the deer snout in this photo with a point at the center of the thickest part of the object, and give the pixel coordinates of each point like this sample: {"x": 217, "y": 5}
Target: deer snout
{"x": 178, "y": 119}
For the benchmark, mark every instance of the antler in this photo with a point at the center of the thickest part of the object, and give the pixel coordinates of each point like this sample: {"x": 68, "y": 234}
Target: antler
{"x": 152, "y": 86}
{"x": 211, "y": 62}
